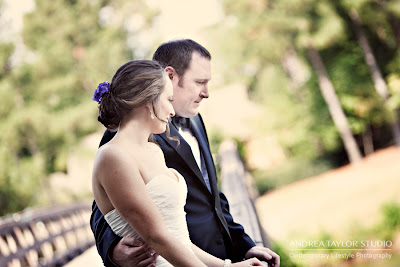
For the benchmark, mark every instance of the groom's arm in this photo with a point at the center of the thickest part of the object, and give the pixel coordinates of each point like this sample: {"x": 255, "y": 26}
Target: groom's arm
{"x": 241, "y": 241}
{"x": 105, "y": 237}
{"x": 243, "y": 245}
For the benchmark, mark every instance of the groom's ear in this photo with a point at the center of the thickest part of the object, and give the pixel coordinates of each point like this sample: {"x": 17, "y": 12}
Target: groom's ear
{"x": 171, "y": 72}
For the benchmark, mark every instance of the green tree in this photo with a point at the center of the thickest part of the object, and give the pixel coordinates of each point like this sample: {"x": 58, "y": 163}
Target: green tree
{"x": 328, "y": 30}
{"x": 376, "y": 74}
{"x": 267, "y": 32}
{"x": 267, "y": 37}
{"x": 46, "y": 104}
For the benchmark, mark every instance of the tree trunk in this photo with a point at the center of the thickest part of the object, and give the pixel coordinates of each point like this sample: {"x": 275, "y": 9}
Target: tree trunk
{"x": 335, "y": 109}
{"x": 368, "y": 141}
{"x": 379, "y": 82}
{"x": 296, "y": 71}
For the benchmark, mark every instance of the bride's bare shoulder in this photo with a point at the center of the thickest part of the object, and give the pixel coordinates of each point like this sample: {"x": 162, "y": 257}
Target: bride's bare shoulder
{"x": 112, "y": 154}
{"x": 109, "y": 150}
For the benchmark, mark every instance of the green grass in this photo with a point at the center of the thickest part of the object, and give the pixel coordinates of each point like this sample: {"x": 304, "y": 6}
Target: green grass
{"x": 288, "y": 172}
{"x": 393, "y": 262}
{"x": 387, "y": 229}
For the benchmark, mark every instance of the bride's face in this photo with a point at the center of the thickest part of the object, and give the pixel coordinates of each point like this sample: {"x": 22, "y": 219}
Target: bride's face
{"x": 163, "y": 107}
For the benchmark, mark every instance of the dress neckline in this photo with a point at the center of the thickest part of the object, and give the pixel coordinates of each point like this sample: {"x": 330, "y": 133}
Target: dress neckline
{"x": 178, "y": 181}
{"x": 177, "y": 175}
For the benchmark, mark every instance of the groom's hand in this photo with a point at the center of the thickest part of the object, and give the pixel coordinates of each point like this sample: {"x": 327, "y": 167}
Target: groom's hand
{"x": 130, "y": 251}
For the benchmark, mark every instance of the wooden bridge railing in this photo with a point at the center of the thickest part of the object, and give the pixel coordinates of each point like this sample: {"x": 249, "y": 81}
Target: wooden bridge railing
{"x": 45, "y": 237}
{"x": 240, "y": 190}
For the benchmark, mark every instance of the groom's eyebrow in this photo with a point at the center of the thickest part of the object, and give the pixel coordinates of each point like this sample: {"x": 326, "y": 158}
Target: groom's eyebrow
{"x": 202, "y": 80}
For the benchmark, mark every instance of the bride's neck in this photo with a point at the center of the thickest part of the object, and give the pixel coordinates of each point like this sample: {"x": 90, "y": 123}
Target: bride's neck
{"x": 135, "y": 130}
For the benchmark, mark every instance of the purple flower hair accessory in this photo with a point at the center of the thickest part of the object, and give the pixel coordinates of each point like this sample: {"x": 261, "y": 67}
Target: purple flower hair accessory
{"x": 100, "y": 91}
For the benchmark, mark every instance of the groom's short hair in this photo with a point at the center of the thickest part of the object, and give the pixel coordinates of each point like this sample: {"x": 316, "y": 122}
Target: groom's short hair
{"x": 178, "y": 54}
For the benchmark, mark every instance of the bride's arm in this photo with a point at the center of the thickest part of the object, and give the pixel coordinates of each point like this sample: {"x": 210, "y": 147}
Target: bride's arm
{"x": 213, "y": 261}
{"x": 124, "y": 187}
{"x": 207, "y": 258}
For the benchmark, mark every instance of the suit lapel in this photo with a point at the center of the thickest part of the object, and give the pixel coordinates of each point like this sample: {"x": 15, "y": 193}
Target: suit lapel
{"x": 205, "y": 150}
{"x": 184, "y": 151}
{"x": 199, "y": 132}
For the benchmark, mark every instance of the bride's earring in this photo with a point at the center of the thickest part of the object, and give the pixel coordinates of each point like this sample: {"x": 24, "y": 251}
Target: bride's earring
{"x": 151, "y": 113}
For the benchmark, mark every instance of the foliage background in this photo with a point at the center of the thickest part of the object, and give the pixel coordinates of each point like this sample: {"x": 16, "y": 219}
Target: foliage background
{"x": 69, "y": 46}
{"x": 266, "y": 91}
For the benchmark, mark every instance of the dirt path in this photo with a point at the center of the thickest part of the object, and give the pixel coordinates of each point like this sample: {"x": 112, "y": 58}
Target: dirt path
{"x": 336, "y": 201}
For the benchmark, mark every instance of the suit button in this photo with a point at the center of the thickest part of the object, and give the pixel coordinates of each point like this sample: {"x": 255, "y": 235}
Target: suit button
{"x": 220, "y": 241}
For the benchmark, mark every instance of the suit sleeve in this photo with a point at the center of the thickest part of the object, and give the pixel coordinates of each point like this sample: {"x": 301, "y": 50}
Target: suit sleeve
{"x": 241, "y": 241}
{"x": 104, "y": 236}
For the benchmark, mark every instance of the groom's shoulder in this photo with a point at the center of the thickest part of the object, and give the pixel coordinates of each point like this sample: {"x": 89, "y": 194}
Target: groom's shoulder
{"x": 107, "y": 136}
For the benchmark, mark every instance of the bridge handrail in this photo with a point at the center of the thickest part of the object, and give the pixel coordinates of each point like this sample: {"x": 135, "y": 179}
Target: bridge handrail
{"x": 240, "y": 190}
{"x": 46, "y": 236}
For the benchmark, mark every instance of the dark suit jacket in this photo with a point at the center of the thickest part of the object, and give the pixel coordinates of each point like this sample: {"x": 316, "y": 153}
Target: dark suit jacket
{"x": 211, "y": 226}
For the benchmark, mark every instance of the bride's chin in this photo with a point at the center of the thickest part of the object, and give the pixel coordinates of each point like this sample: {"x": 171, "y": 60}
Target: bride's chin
{"x": 160, "y": 131}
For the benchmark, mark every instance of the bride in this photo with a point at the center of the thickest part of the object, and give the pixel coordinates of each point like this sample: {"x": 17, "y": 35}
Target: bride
{"x": 132, "y": 186}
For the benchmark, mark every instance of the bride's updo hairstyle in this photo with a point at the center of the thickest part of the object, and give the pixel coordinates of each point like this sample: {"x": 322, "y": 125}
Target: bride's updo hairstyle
{"x": 134, "y": 84}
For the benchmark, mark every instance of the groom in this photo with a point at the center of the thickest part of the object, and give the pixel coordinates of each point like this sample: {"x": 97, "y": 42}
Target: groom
{"x": 211, "y": 226}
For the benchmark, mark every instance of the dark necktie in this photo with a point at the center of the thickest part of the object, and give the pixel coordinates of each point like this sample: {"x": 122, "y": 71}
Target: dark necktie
{"x": 181, "y": 122}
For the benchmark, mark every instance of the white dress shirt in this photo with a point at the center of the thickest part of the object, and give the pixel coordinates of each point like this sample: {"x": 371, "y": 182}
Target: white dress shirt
{"x": 194, "y": 145}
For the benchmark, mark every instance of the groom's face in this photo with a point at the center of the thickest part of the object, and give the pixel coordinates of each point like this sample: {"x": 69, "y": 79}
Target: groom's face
{"x": 192, "y": 87}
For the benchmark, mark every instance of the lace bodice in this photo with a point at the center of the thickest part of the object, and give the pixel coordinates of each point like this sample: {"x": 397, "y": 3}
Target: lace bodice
{"x": 169, "y": 195}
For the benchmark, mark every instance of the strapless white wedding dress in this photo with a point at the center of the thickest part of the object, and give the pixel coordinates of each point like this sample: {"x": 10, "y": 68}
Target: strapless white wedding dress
{"x": 169, "y": 195}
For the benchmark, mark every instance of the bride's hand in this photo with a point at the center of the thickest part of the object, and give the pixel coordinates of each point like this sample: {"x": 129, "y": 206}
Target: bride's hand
{"x": 249, "y": 262}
